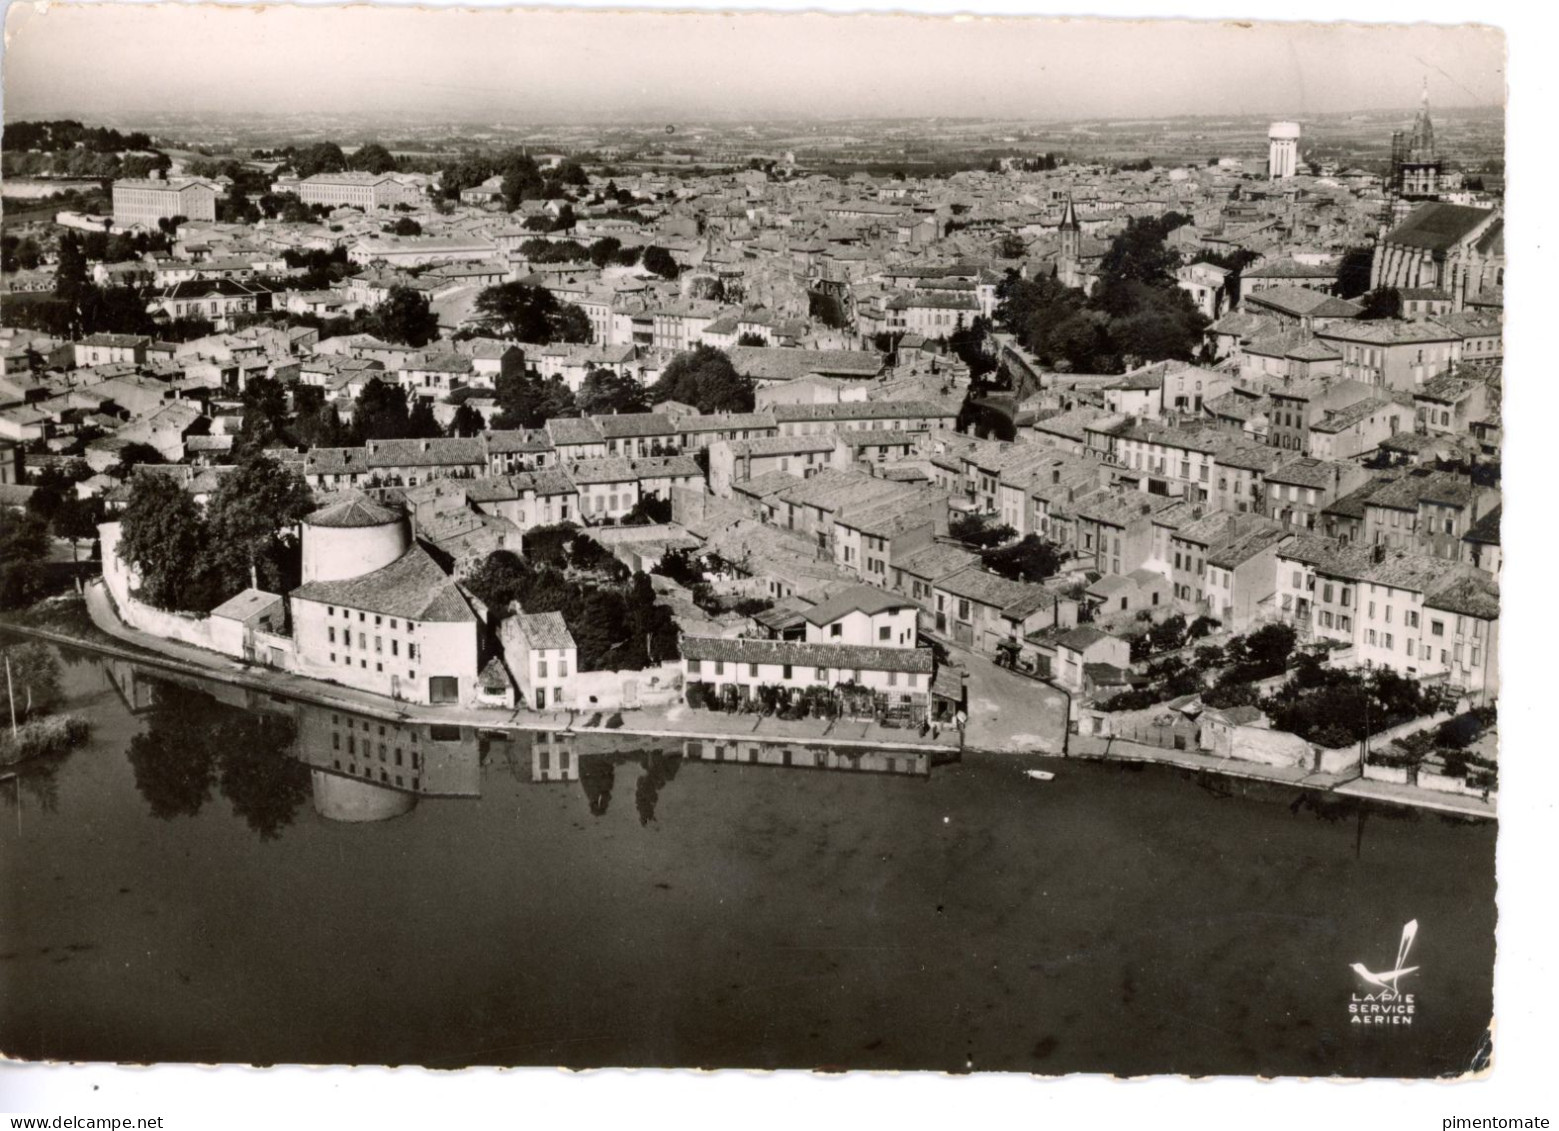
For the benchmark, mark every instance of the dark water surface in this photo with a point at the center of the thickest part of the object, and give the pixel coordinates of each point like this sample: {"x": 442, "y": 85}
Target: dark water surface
{"x": 202, "y": 883}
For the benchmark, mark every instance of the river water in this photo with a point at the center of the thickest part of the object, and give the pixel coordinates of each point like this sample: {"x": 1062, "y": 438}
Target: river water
{"x": 220, "y": 876}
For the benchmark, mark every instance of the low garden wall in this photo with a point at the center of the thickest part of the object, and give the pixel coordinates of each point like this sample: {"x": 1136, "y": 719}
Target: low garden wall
{"x": 613, "y": 690}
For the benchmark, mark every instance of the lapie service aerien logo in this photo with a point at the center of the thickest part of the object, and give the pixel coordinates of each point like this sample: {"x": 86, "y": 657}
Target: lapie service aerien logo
{"x": 1384, "y": 1003}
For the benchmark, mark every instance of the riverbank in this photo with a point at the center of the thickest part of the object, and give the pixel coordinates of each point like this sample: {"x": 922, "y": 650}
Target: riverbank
{"x": 680, "y": 721}
{"x": 1346, "y": 784}
{"x": 989, "y": 701}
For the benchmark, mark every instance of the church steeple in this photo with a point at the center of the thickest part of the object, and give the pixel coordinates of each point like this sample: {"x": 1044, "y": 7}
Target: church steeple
{"x": 1071, "y": 234}
{"x": 1421, "y": 146}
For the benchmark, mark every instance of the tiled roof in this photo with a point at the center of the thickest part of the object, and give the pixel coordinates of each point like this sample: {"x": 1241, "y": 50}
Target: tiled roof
{"x": 1486, "y": 529}
{"x": 1437, "y": 227}
{"x": 353, "y": 513}
{"x": 413, "y": 587}
{"x": 837, "y": 657}
{"x": 866, "y": 599}
{"x": 545, "y": 630}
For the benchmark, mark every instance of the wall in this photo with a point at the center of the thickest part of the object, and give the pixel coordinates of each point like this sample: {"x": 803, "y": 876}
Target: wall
{"x": 120, "y": 579}
{"x": 653, "y": 687}
{"x": 1269, "y": 747}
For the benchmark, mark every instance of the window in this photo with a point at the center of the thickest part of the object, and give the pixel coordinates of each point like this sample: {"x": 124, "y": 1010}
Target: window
{"x": 822, "y": 675}
{"x": 752, "y": 670}
{"x": 786, "y": 672}
{"x": 1412, "y": 619}
{"x": 541, "y": 669}
{"x": 694, "y": 667}
{"x": 885, "y": 632}
{"x": 1345, "y": 624}
{"x": 332, "y": 635}
{"x": 1388, "y": 614}
{"x": 395, "y": 647}
{"x": 836, "y": 630}
{"x": 893, "y": 679}
{"x": 1347, "y": 597}
{"x": 1386, "y": 640}
{"x": 1370, "y": 636}
{"x": 411, "y": 651}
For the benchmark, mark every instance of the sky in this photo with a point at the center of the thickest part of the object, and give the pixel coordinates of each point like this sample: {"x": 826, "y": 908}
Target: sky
{"x": 550, "y": 65}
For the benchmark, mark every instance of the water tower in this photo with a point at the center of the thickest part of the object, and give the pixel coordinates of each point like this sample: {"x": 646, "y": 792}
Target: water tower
{"x": 1283, "y": 150}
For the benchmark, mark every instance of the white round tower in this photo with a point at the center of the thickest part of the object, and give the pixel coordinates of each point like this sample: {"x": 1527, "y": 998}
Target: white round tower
{"x": 338, "y": 798}
{"x": 1282, "y": 150}
{"x": 352, "y": 538}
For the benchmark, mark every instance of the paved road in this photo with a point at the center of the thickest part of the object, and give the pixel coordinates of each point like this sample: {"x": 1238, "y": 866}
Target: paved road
{"x": 1011, "y": 713}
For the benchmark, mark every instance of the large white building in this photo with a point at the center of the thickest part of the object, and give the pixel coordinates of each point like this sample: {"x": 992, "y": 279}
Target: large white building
{"x": 376, "y": 612}
{"x": 141, "y": 203}
{"x": 359, "y": 190}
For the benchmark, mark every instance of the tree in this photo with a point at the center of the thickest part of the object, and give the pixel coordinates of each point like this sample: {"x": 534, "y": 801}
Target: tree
{"x": 265, "y": 415}
{"x": 749, "y": 338}
{"x": 531, "y": 314}
{"x": 1031, "y": 559}
{"x": 76, "y": 520}
{"x": 70, "y": 272}
{"x": 980, "y": 530}
{"x": 322, "y": 157}
{"x": 372, "y": 158}
{"x": 502, "y": 578}
{"x": 404, "y": 318}
{"x": 32, "y": 681}
{"x": 467, "y": 422}
{"x": 404, "y": 226}
{"x": 421, "y": 424}
{"x": 705, "y": 378}
{"x": 604, "y": 251}
{"x": 659, "y": 260}
{"x": 529, "y": 402}
{"x": 607, "y": 391}
{"x": 1382, "y": 302}
{"x": 162, "y": 539}
{"x": 24, "y": 544}
{"x": 1353, "y": 273}
{"x": 521, "y": 180}
{"x": 250, "y": 522}
{"x": 380, "y": 411}
{"x": 1011, "y": 246}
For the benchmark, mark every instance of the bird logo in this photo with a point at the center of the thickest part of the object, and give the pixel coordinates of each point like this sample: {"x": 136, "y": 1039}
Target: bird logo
{"x": 1387, "y": 979}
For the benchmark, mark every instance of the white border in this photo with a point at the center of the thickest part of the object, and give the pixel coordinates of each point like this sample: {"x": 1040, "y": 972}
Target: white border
{"x": 1522, "y": 1081}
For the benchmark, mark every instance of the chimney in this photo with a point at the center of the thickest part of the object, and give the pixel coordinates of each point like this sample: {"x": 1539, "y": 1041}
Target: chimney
{"x": 1378, "y": 553}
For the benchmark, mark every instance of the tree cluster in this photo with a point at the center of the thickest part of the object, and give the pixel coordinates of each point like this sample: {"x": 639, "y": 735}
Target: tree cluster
{"x": 980, "y": 530}
{"x": 1136, "y": 314}
{"x": 531, "y": 314}
{"x": 612, "y": 616}
{"x": 704, "y": 378}
{"x": 191, "y": 560}
{"x": 1030, "y": 559}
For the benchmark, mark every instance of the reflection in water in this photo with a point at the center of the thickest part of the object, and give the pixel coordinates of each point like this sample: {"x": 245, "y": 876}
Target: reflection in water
{"x": 658, "y": 773}
{"x": 192, "y": 743}
{"x": 263, "y": 753}
{"x": 795, "y": 755}
{"x": 596, "y": 774}
{"x": 838, "y": 909}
